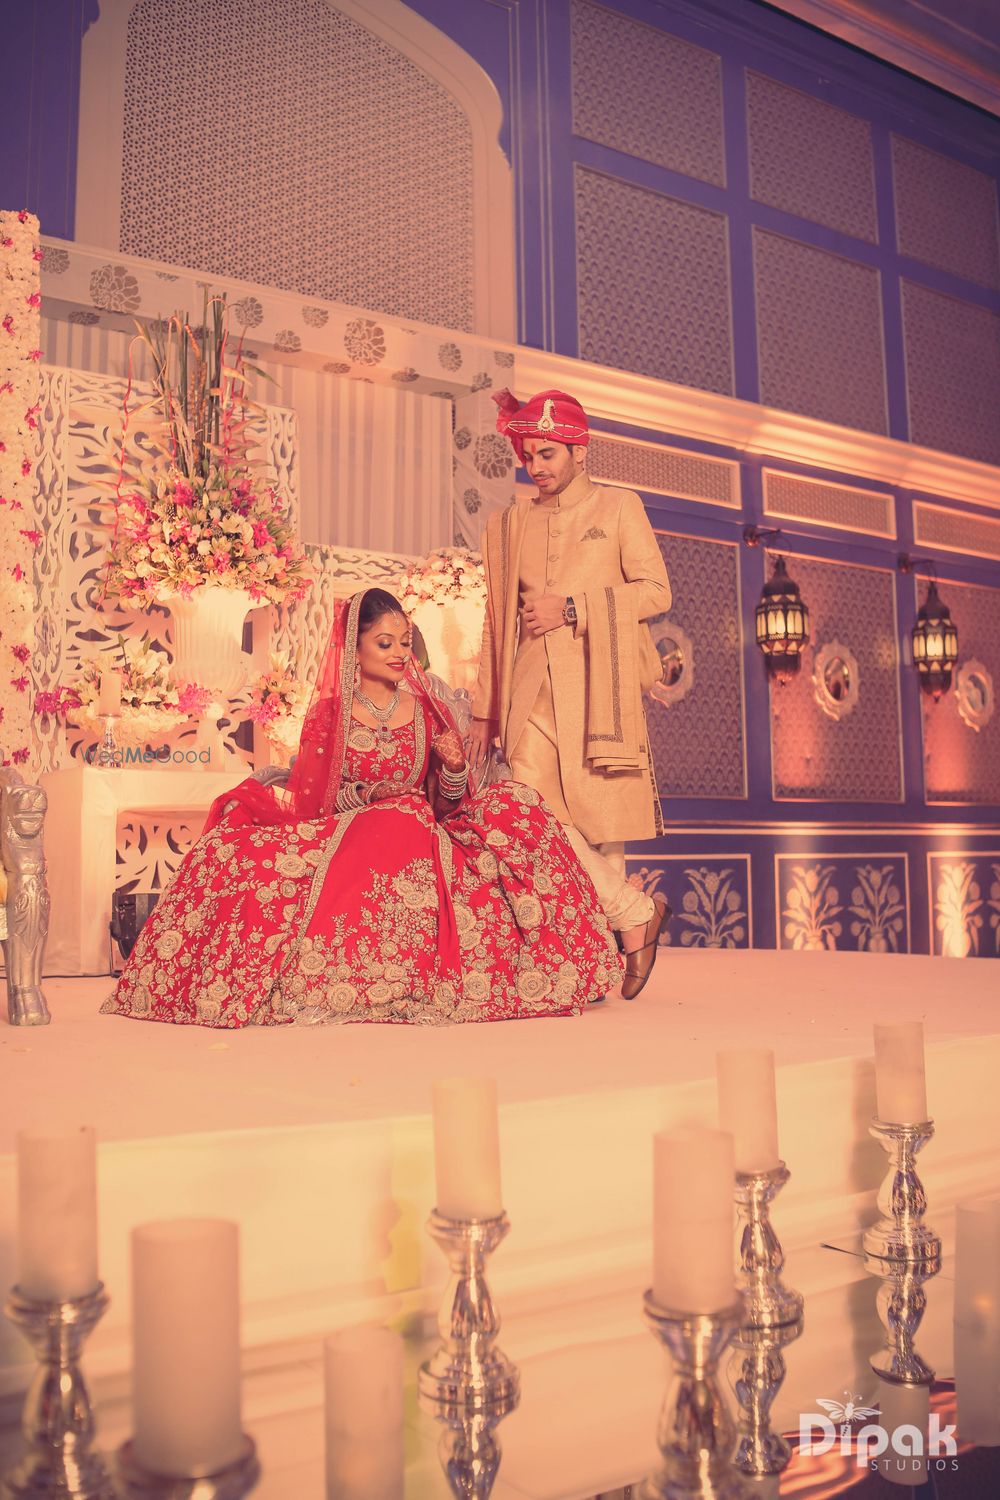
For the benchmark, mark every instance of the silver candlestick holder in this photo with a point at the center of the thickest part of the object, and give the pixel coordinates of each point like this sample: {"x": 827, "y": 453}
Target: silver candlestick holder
{"x": 696, "y": 1434}
{"x": 58, "y": 1418}
{"x": 769, "y": 1303}
{"x": 231, "y": 1483}
{"x": 467, "y": 1370}
{"x": 469, "y": 1449}
{"x": 109, "y": 754}
{"x": 758, "y": 1372}
{"x": 901, "y": 1302}
{"x": 900, "y": 1233}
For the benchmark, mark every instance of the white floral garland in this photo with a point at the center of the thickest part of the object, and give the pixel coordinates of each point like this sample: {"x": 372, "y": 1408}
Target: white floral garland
{"x": 20, "y": 395}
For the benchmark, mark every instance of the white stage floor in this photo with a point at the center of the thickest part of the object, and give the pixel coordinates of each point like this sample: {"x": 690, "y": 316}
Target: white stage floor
{"x": 137, "y": 1079}
{"x": 318, "y": 1142}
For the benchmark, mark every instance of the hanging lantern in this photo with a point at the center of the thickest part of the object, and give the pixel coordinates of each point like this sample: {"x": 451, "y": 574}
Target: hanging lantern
{"x": 782, "y": 624}
{"x": 935, "y": 644}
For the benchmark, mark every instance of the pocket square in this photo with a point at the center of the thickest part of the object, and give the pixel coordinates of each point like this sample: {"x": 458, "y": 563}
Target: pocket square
{"x": 595, "y": 534}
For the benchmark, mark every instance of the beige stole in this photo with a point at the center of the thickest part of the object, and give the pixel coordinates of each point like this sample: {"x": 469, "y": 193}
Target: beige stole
{"x": 622, "y": 663}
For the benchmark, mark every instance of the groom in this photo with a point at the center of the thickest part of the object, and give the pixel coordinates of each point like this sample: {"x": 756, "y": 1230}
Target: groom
{"x": 572, "y": 575}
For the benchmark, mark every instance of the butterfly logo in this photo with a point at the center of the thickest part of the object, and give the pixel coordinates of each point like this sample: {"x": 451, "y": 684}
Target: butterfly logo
{"x": 846, "y": 1412}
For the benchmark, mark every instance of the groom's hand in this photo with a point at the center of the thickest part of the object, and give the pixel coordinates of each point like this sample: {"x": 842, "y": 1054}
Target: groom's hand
{"x": 482, "y": 733}
{"x": 541, "y": 615}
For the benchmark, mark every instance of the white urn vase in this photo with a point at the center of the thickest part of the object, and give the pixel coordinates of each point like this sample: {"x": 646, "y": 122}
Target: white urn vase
{"x": 208, "y": 638}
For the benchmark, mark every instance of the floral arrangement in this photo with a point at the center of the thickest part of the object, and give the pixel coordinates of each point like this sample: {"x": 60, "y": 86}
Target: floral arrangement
{"x": 278, "y": 703}
{"x": 203, "y": 513}
{"x": 151, "y": 705}
{"x": 446, "y": 576}
{"x": 20, "y": 395}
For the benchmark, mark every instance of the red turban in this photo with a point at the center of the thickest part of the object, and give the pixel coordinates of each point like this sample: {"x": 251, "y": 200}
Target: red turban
{"x": 550, "y": 414}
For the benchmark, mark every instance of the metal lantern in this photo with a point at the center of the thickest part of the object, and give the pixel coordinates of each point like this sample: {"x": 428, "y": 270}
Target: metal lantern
{"x": 935, "y": 644}
{"x": 782, "y": 624}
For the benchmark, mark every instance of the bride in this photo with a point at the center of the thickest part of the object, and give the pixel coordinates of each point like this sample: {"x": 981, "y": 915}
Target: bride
{"x": 374, "y": 887}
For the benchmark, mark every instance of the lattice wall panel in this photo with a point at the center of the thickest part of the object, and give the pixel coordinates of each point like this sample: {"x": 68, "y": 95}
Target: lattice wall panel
{"x": 952, "y": 373}
{"x": 946, "y": 213}
{"x": 698, "y": 742}
{"x": 962, "y": 765}
{"x": 663, "y": 471}
{"x": 810, "y": 158}
{"x": 327, "y": 163}
{"x": 858, "y": 758}
{"x": 793, "y": 498}
{"x": 641, "y": 91}
{"x": 652, "y": 284}
{"x": 819, "y": 333}
{"x": 955, "y": 531}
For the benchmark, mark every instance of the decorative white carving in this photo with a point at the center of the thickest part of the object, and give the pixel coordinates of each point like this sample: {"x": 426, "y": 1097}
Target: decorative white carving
{"x": 676, "y": 651}
{"x": 836, "y": 680}
{"x": 975, "y": 694}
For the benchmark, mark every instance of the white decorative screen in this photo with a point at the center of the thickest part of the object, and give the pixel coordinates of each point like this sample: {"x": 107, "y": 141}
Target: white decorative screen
{"x": 287, "y": 144}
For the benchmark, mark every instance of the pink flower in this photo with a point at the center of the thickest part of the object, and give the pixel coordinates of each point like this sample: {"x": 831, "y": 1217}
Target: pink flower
{"x": 220, "y": 562}
{"x": 25, "y": 467}
{"x": 17, "y": 572}
{"x": 22, "y": 214}
{"x": 35, "y": 354}
{"x": 193, "y": 699}
{"x": 34, "y": 537}
{"x": 22, "y": 653}
{"x": 35, "y": 300}
{"x": 7, "y": 389}
{"x": 261, "y": 535}
{"x": 21, "y": 683}
{"x": 20, "y": 756}
{"x": 48, "y": 703}
{"x": 7, "y": 242}
{"x": 8, "y": 323}
{"x": 38, "y": 254}
{"x": 183, "y": 493}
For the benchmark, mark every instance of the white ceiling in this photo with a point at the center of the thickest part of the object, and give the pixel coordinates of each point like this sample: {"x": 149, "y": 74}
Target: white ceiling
{"x": 954, "y": 44}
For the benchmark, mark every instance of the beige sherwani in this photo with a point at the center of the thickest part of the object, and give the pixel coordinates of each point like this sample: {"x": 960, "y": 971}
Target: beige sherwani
{"x": 536, "y": 687}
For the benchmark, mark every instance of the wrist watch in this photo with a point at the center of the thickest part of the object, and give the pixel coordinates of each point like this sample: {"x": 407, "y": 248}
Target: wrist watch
{"x": 569, "y": 611}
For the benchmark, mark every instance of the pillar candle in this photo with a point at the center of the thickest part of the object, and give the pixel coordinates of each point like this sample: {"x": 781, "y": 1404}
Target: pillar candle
{"x": 693, "y": 1230}
{"x": 110, "y": 694}
{"x": 363, "y": 1369}
{"x": 748, "y": 1107}
{"x": 977, "y": 1385}
{"x": 57, "y": 1213}
{"x": 904, "y": 1406}
{"x": 901, "y": 1094}
{"x": 186, "y": 1346}
{"x": 467, "y": 1148}
{"x": 977, "y": 1262}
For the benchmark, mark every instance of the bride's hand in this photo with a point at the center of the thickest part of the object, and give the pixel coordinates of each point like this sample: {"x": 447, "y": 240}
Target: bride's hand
{"x": 450, "y": 750}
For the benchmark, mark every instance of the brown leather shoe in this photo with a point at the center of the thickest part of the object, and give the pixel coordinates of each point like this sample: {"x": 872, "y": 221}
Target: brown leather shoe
{"x": 639, "y": 965}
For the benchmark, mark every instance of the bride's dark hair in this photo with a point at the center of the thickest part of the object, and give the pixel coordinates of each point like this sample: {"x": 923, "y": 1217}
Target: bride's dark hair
{"x": 374, "y": 605}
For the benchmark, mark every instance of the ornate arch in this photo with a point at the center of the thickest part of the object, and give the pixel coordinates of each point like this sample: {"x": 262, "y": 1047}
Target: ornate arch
{"x": 383, "y": 186}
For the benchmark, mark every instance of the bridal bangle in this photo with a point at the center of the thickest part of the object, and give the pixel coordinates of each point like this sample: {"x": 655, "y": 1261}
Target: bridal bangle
{"x": 453, "y": 783}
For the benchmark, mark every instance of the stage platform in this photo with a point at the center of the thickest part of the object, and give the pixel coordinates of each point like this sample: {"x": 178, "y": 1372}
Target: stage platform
{"x": 318, "y": 1140}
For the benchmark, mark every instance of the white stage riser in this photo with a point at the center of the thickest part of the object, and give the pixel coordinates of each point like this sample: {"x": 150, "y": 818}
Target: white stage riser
{"x": 332, "y": 1216}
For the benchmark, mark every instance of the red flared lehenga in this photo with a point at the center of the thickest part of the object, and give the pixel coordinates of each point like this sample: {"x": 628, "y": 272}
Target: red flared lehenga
{"x": 379, "y": 913}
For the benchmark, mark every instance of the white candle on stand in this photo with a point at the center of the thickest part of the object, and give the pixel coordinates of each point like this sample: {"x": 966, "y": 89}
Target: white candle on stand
{"x": 467, "y": 1148}
{"x": 977, "y": 1263}
{"x": 693, "y": 1230}
{"x": 363, "y": 1369}
{"x": 57, "y": 1213}
{"x": 900, "y": 1406}
{"x": 109, "y": 700}
{"x": 901, "y": 1094}
{"x": 748, "y": 1107}
{"x": 186, "y": 1346}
